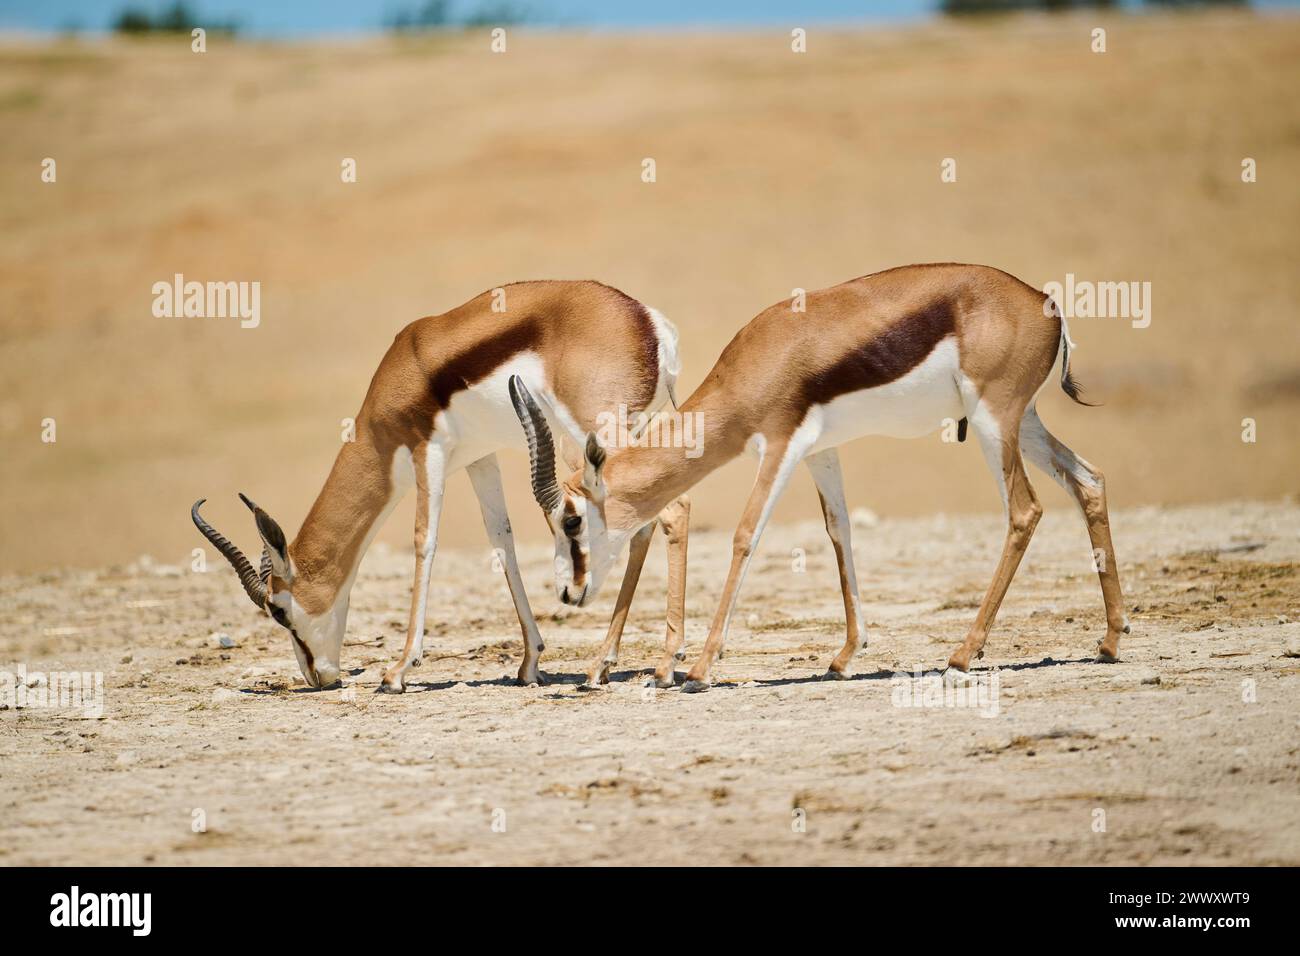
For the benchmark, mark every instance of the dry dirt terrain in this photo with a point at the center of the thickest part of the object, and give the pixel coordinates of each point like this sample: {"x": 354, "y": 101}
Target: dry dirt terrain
{"x": 1186, "y": 752}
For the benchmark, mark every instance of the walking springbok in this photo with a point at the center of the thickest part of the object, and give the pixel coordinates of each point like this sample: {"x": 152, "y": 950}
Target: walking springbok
{"x": 894, "y": 353}
{"x": 439, "y": 402}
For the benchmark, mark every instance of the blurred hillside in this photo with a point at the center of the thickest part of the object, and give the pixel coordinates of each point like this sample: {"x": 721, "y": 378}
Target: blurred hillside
{"x": 775, "y": 171}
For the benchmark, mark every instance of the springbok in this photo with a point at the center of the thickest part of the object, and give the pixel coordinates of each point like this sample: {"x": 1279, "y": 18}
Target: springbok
{"x": 439, "y": 402}
{"x": 895, "y": 353}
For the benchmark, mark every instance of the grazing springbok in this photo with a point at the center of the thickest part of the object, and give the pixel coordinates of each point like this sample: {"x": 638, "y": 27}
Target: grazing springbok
{"x": 895, "y": 353}
{"x": 440, "y": 402}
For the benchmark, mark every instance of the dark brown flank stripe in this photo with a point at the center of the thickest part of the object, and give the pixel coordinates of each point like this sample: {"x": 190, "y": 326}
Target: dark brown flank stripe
{"x": 887, "y": 357}
{"x": 463, "y": 370}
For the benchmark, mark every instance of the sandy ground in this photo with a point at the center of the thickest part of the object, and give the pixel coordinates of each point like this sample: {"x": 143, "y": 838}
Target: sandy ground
{"x": 774, "y": 171}
{"x": 1185, "y": 752}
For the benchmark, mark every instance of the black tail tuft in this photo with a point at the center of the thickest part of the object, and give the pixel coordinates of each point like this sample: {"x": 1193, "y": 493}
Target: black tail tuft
{"x": 1074, "y": 390}
{"x": 1068, "y": 383}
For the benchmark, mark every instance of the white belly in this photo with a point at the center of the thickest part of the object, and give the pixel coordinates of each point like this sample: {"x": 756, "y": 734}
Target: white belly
{"x": 914, "y": 405}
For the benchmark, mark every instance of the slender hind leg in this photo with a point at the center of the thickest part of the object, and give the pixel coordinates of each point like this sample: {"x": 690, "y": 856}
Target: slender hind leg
{"x": 1088, "y": 487}
{"x": 430, "y": 462}
{"x": 999, "y": 436}
{"x": 825, "y": 468}
{"x": 485, "y": 476}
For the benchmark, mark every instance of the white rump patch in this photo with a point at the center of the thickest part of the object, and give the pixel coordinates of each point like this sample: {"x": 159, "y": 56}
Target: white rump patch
{"x": 670, "y": 360}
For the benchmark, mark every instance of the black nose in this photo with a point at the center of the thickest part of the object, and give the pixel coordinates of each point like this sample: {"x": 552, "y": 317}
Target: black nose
{"x": 564, "y": 595}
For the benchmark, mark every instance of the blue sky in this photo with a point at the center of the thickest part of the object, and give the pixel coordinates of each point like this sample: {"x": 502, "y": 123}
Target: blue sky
{"x": 288, "y": 17}
{"x": 314, "y": 17}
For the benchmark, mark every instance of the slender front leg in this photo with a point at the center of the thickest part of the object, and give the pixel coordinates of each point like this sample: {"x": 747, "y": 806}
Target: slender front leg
{"x": 430, "y": 461}
{"x": 608, "y": 656}
{"x": 485, "y": 476}
{"x": 676, "y": 519}
{"x": 773, "y": 474}
{"x": 825, "y": 468}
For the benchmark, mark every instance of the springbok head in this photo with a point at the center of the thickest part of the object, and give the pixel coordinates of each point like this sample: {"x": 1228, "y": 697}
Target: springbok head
{"x": 317, "y": 639}
{"x": 574, "y": 509}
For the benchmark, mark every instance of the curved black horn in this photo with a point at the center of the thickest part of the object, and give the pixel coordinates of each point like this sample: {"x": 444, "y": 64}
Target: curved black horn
{"x": 248, "y": 577}
{"x": 541, "y": 447}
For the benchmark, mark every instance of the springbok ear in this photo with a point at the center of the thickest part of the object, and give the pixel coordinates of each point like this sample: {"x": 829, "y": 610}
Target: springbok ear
{"x": 593, "y": 464}
{"x": 277, "y": 548}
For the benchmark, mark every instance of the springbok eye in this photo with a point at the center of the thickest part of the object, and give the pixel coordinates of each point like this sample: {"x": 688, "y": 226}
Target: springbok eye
{"x": 278, "y": 615}
{"x": 571, "y": 524}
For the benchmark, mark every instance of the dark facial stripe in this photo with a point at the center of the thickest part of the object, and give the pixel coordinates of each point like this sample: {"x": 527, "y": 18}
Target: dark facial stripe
{"x": 306, "y": 652}
{"x": 579, "y": 562}
{"x": 888, "y": 356}
{"x": 575, "y": 550}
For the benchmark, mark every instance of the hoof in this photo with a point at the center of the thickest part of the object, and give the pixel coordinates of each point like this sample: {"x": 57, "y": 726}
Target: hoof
{"x": 587, "y": 687}
{"x": 530, "y": 677}
{"x": 391, "y": 687}
{"x": 664, "y": 682}
{"x": 695, "y": 687}
{"x": 1108, "y": 649}
{"x": 955, "y": 677}
{"x": 833, "y": 674}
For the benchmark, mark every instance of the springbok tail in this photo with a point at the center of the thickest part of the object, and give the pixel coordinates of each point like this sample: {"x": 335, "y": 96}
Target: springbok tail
{"x": 1069, "y": 384}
